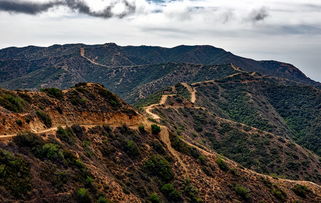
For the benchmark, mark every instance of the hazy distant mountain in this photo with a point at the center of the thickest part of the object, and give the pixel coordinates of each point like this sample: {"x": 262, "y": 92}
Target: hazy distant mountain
{"x": 63, "y": 65}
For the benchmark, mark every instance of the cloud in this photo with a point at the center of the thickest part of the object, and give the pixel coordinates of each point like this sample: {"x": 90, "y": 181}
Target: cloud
{"x": 34, "y": 8}
{"x": 259, "y": 15}
{"x": 26, "y": 7}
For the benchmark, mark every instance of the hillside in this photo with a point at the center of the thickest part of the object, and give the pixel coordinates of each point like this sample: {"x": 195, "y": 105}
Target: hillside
{"x": 237, "y": 117}
{"x": 122, "y": 69}
{"x": 107, "y": 152}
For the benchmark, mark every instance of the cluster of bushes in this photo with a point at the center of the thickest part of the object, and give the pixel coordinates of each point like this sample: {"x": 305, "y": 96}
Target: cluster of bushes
{"x": 158, "y": 166}
{"x": 155, "y": 129}
{"x": 55, "y": 157}
{"x": 132, "y": 149}
{"x": 12, "y": 102}
{"x": 181, "y": 146}
{"x": 171, "y": 193}
{"x": 110, "y": 97}
{"x": 191, "y": 192}
{"x": 237, "y": 107}
{"x": 53, "y": 92}
{"x": 45, "y": 118}
{"x": 300, "y": 108}
{"x": 151, "y": 99}
{"x": 65, "y": 135}
{"x": 242, "y": 191}
{"x": 42, "y": 150}
{"x": 301, "y": 190}
{"x": 14, "y": 174}
{"x": 83, "y": 195}
{"x": 154, "y": 198}
{"x": 77, "y": 100}
{"x": 182, "y": 91}
{"x": 222, "y": 164}
{"x": 274, "y": 189}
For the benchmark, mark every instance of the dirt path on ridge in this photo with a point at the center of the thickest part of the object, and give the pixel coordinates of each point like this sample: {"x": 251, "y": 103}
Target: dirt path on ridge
{"x": 149, "y": 109}
{"x": 164, "y": 137}
{"x": 191, "y": 90}
{"x": 82, "y": 54}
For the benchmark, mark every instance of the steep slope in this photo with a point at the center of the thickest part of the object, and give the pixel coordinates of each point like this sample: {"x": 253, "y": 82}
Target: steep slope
{"x": 87, "y": 103}
{"x": 236, "y": 119}
{"x": 65, "y": 65}
{"x": 105, "y": 159}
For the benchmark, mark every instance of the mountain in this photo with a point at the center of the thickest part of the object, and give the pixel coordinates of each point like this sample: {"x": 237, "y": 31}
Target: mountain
{"x": 84, "y": 144}
{"x": 122, "y": 69}
{"x": 238, "y": 117}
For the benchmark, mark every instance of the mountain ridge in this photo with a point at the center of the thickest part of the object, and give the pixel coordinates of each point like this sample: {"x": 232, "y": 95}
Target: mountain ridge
{"x": 110, "y": 54}
{"x": 117, "y": 162}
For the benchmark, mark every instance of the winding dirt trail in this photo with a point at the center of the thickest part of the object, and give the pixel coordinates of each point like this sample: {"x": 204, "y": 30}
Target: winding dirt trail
{"x": 54, "y": 129}
{"x": 150, "y": 108}
{"x": 191, "y": 90}
{"x": 164, "y": 137}
{"x": 82, "y": 54}
{"x": 8, "y": 137}
{"x": 164, "y": 133}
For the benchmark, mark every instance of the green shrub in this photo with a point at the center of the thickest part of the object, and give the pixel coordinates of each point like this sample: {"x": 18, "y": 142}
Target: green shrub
{"x": 278, "y": 193}
{"x": 76, "y": 100}
{"x": 266, "y": 182}
{"x": 221, "y": 163}
{"x": 191, "y": 192}
{"x": 102, "y": 199}
{"x": 154, "y": 198}
{"x": 242, "y": 191}
{"x": 12, "y": 102}
{"x": 19, "y": 122}
{"x": 159, "y": 167}
{"x": 45, "y": 118}
{"x": 181, "y": 146}
{"x": 52, "y": 152}
{"x": 53, "y": 92}
{"x": 155, "y": 129}
{"x": 86, "y": 144}
{"x": 171, "y": 193}
{"x": 14, "y": 174}
{"x": 142, "y": 129}
{"x": 110, "y": 97}
{"x": 29, "y": 140}
{"x": 301, "y": 190}
{"x": 178, "y": 144}
{"x": 83, "y": 196}
{"x": 65, "y": 135}
{"x": 131, "y": 148}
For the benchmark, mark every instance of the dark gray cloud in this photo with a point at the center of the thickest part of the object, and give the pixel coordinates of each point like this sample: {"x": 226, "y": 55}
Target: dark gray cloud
{"x": 26, "y": 7}
{"x": 259, "y": 15}
{"x": 33, "y": 8}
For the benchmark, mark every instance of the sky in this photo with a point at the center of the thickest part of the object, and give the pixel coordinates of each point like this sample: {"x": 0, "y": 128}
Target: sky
{"x": 283, "y": 30}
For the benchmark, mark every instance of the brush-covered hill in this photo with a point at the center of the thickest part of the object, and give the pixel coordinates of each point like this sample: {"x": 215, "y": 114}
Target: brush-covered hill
{"x": 122, "y": 69}
{"x": 255, "y": 120}
{"x": 107, "y": 152}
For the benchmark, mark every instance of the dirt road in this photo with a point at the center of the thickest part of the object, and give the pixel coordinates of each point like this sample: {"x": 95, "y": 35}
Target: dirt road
{"x": 82, "y": 54}
{"x": 191, "y": 90}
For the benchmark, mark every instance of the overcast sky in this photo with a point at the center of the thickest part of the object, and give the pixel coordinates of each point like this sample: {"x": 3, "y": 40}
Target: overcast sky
{"x": 285, "y": 30}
